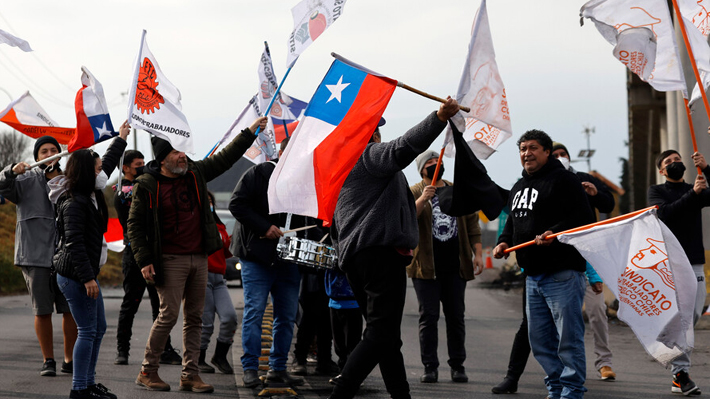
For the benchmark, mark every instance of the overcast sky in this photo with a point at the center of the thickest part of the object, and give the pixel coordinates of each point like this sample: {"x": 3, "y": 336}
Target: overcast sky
{"x": 559, "y": 77}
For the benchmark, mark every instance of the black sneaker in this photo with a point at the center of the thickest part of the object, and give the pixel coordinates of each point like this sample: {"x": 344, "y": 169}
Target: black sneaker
{"x": 87, "y": 393}
{"x": 683, "y": 384}
{"x": 170, "y": 356}
{"x": 121, "y": 357}
{"x": 102, "y": 390}
{"x": 67, "y": 367}
{"x": 49, "y": 368}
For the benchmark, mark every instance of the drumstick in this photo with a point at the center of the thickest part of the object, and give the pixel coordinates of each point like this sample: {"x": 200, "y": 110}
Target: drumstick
{"x": 323, "y": 239}
{"x": 294, "y": 230}
{"x": 299, "y": 229}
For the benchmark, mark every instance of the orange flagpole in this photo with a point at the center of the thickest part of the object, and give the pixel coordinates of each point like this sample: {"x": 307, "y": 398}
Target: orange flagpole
{"x": 438, "y": 166}
{"x": 692, "y": 131}
{"x": 585, "y": 227}
{"x": 679, "y": 19}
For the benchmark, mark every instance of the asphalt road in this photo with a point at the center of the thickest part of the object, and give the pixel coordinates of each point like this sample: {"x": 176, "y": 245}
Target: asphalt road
{"x": 492, "y": 318}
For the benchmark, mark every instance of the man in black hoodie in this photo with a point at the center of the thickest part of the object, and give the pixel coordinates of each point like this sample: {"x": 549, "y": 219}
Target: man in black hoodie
{"x": 255, "y": 241}
{"x": 679, "y": 207}
{"x": 550, "y": 199}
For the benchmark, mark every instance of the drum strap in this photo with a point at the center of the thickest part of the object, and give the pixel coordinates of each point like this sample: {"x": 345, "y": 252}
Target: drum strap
{"x": 288, "y": 222}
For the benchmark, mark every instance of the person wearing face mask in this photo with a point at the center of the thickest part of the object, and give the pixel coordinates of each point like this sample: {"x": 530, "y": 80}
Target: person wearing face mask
{"x": 82, "y": 218}
{"x": 679, "y": 207}
{"x": 449, "y": 254}
{"x": 134, "y": 285}
{"x": 172, "y": 231}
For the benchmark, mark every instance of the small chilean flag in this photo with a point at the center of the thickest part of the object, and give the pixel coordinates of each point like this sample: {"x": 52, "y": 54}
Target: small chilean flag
{"x": 336, "y": 127}
{"x": 93, "y": 123}
{"x": 114, "y": 235}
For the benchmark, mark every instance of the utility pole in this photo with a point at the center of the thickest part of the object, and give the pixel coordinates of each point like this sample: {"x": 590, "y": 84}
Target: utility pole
{"x": 589, "y": 152}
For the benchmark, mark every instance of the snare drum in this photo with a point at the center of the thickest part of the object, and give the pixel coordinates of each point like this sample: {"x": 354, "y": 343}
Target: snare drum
{"x": 306, "y": 253}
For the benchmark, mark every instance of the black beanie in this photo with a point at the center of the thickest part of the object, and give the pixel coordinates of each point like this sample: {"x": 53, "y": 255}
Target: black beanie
{"x": 556, "y": 146}
{"x": 161, "y": 148}
{"x": 44, "y": 140}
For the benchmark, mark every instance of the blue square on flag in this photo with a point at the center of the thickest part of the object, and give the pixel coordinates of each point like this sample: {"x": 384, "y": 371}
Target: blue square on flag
{"x": 336, "y": 93}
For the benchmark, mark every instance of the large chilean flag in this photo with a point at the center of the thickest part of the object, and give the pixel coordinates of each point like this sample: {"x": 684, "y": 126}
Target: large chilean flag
{"x": 336, "y": 127}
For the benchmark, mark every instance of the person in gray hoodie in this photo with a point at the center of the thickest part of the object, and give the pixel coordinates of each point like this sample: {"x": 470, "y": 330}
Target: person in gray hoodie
{"x": 34, "y": 247}
{"x": 35, "y": 244}
{"x": 374, "y": 232}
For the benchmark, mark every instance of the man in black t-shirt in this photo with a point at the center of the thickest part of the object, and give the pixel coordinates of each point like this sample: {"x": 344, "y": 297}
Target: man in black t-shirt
{"x": 134, "y": 284}
{"x": 449, "y": 254}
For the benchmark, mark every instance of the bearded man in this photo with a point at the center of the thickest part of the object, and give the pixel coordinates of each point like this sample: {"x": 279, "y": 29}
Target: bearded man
{"x": 172, "y": 231}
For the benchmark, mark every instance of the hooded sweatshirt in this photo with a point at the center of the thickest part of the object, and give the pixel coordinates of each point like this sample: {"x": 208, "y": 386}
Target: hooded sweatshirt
{"x": 550, "y": 199}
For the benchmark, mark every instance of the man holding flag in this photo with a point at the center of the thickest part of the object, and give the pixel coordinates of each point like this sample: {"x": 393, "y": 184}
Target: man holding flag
{"x": 374, "y": 231}
{"x": 679, "y": 207}
{"x": 34, "y": 248}
{"x": 550, "y": 199}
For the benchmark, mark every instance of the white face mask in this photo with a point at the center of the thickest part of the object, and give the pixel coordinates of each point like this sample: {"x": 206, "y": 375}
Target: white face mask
{"x": 564, "y": 161}
{"x": 101, "y": 181}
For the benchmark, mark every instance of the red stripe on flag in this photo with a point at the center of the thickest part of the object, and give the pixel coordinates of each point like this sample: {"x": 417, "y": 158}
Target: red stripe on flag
{"x": 280, "y": 132}
{"x": 84, "y": 137}
{"x": 62, "y": 134}
{"x": 338, "y": 153}
{"x": 114, "y": 231}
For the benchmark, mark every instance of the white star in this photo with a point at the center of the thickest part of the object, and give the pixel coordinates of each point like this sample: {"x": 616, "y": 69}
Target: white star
{"x": 337, "y": 89}
{"x": 103, "y": 131}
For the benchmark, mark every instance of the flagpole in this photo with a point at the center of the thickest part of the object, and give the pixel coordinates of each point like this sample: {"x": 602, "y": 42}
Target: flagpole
{"x": 283, "y": 121}
{"x": 429, "y": 96}
{"x": 701, "y": 85}
{"x": 399, "y": 84}
{"x": 52, "y": 158}
{"x": 273, "y": 98}
{"x": 438, "y": 166}
{"x": 692, "y": 130}
{"x": 585, "y": 227}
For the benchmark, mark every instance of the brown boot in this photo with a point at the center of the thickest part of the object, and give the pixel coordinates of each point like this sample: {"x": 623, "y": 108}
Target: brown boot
{"x": 195, "y": 384}
{"x": 152, "y": 381}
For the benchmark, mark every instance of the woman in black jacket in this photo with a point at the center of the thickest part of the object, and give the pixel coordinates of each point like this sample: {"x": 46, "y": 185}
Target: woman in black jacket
{"x": 82, "y": 217}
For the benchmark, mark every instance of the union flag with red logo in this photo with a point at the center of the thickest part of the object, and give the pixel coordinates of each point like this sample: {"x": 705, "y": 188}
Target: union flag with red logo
{"x": 154, "y": 102}
{"x": 643, "y": 264}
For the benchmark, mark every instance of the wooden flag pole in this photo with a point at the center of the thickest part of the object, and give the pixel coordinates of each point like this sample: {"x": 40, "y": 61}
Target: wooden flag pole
{"x": 585, "y": 227}
{"x": 399, "y": 84}
{"x": 692, "y": 131}
{"x": 429, "y": 96}
{"x": 679, "y": 19}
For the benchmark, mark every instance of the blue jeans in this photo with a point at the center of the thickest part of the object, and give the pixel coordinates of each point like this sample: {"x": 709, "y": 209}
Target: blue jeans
{"x": 556, "y": 331}
{"x": 283, "y": 282}
{"x": 91, "y": 323}
{"x": 217, "y": 300}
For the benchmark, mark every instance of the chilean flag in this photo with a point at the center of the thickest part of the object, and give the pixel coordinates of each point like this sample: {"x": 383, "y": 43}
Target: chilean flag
{"x": 336, "y": 127}
{"x": 114, "y": 235}
{"x": 93, "y": 123}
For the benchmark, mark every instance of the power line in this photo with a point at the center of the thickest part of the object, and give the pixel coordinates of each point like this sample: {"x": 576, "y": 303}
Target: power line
{"x": 41, "y": 63}
{"x": 28, "y": 82}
